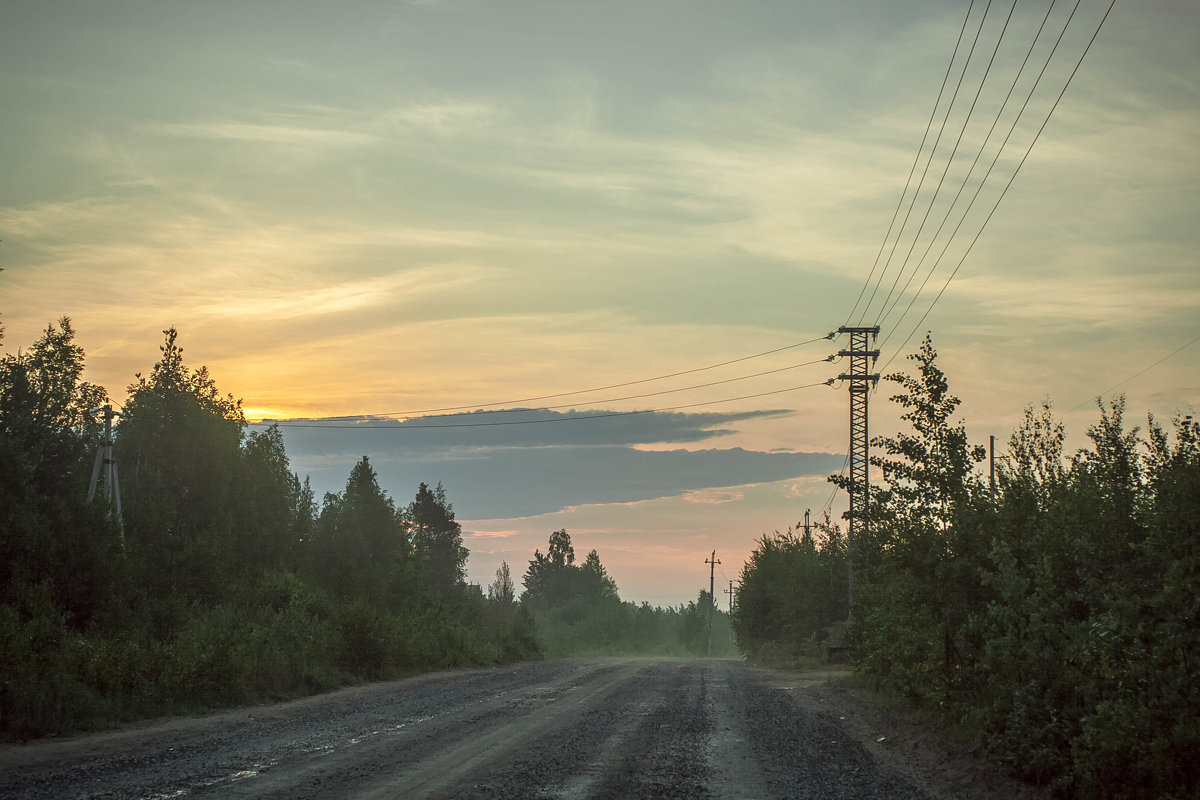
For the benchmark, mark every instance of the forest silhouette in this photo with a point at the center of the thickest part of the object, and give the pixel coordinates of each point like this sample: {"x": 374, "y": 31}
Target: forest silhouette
{"x": 227, "y": 581}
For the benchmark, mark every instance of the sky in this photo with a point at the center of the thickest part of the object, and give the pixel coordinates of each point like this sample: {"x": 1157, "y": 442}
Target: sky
{"x": 392, "y": 211}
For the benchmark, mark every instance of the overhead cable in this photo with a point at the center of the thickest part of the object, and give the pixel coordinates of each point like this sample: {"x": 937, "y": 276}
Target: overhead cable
{"x": 825, "y": 509}
{"x": 916, "y": 160}
{"x": 826, "y": 360}
{"x": 924, "y": 256}
{"x": 928, "y": 161}
{"x": 953, "y": 152}
{"x": 481, "y": 406}
{"x": 404, "y": 426}
{"x": 1135, "y": 375}
{"x": 1010, "y": 181}
{"x": 987, "y": 174}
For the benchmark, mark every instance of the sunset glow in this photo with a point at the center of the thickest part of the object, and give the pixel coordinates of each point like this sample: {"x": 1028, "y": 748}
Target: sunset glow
{"x": 417, "y": 209}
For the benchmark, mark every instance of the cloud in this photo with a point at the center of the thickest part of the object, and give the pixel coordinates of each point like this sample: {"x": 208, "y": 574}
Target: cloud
{"x": 267, "y": 133}
{"x": 443, "y": 116}
{"x": 713, "y": 498}
{"x": 454, "y": 436}
{"x": 535, "y": 469}
{"x": 478, "y": 534}
{"x": 395, "y": 290}
{"x": 1078, "y": 302}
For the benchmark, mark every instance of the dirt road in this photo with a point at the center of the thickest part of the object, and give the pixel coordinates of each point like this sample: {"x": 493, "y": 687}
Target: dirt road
{"x": 594, "y": 728}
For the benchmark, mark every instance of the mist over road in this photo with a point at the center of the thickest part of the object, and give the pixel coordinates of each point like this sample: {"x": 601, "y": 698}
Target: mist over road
{"x": 577, "y": 728}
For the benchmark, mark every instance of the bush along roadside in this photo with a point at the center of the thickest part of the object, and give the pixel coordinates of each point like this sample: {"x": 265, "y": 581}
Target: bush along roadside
{"x": 1056, "y": 618}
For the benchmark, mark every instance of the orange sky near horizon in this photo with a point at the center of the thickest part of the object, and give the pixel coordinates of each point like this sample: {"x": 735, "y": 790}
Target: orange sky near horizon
{"x": 377, "y": 210}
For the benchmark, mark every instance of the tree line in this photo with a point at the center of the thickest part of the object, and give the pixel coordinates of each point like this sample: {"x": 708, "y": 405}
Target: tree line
{"x": 1054, "y": 616}
{"x": 227, "y": 580}
{"x": 579, "y": 612}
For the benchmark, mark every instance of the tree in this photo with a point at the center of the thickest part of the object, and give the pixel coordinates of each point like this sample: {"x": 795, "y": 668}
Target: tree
{"x": 48, "y": 534}
{"x": 437, "y": 539}
{"x": 548, "y": 578}
{"x": 926, "y": 546}
{"x": 597, "y": 585}
{"x": 790, "y": 592}
{"x": 360, "y": 542}
{"x": 502, "y": 590}
{"x": 267, "y": 501}
{"x": 179, "y": 447}
{"x": 44, "y": 411}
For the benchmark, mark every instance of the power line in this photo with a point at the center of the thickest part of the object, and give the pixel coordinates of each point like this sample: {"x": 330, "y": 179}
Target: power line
{"x": 829, "y": 503}
{"x": 826, "y": 360}
{"x": 933, "y": 200}
{"x": 971, "y": 171}
{"x": 407, "y": 427}
{"x": 916, "y": 159}
{"x": 1136, "y": 374}
{"x": 1010, "y": 180}
{"x": 983, "y": 182}
{"x": 481, "y": 406}
{"x": 928, "y": 161}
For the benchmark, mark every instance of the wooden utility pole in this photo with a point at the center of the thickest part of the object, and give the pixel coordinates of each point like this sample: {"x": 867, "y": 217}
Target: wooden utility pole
{"x": 712, "y": 598}
{"x": 729, "y": 592}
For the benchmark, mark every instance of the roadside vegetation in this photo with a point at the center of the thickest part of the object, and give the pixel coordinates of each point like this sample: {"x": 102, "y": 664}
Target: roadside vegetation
{"x": 580, "y": 613}
{"x": 233, "y": 584}
{"x": 1056, "y": 619}
{"x": 230, "y": 582}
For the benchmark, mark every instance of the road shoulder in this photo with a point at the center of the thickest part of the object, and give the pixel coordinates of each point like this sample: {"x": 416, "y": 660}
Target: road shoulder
{"x": 898, "y": 740}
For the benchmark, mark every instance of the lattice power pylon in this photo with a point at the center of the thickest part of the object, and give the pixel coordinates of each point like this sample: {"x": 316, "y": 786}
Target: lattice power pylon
{"x": 862, "y": 358}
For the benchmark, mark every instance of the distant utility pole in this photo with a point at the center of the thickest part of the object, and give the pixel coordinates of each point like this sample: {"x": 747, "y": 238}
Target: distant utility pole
{"x": 712, "y": 598}
{"x": 105, "y": 460}
{"x": 992, "y": 467}
{"x": 807, "y": 523}
{"x": 732, "y": 633}
{"x": 861, "y": 380}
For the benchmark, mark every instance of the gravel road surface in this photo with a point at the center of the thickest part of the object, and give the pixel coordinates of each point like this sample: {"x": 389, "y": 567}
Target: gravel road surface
{"x": 578, "y": 728}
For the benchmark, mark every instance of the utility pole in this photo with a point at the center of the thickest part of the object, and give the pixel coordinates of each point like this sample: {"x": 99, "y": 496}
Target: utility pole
{"x": 807, "y": 523}
{"x": 712, "y": 599}
{"x": 106, "y": 462}
{"x": 732, "y": 633}
{"x": 861, "y": 381}
{"x": 992, "y": 467}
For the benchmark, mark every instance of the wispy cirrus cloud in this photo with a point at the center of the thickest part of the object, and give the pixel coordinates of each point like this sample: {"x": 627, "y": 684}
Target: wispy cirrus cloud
{"x": 1082, "y": 301}
{"x": 713, "y": 497}
{"x": 394, "y": 291}
{"x": 266, "y": 133}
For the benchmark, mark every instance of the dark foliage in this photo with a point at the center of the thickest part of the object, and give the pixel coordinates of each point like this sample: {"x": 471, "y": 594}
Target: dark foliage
{"x": 1058, "y": 619}
{"x": 232, "y": 586}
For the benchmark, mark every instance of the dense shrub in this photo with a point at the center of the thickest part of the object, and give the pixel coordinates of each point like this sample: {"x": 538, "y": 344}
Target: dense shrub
{"x": 1058, "y": 618}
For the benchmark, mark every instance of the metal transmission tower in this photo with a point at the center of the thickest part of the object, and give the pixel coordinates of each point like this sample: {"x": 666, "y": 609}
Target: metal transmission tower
{"x": 861, "y": 381}
{"x": 105, "y": 461}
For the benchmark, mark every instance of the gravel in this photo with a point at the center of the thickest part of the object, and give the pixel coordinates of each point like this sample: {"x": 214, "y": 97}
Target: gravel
{"x": 577, "y": 728}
